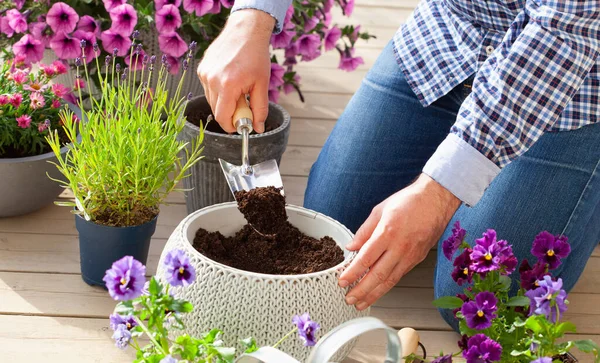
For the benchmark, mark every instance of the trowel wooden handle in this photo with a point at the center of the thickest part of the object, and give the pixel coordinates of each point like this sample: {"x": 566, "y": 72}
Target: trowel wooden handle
{"x": 242, "y": 110}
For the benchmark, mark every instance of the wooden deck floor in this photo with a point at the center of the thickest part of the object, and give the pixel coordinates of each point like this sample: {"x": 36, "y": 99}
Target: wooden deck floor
{"x": 48, "y": 314}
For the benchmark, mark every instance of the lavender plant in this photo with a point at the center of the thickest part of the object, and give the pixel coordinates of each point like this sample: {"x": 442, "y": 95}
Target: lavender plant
{"x": 125, "y": 161}
{"x": 497, "y": 327}
{"x": 149, "y": 308}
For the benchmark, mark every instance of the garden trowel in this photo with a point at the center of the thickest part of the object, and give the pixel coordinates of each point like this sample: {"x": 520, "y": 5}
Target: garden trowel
{"x": 246, "y": 176}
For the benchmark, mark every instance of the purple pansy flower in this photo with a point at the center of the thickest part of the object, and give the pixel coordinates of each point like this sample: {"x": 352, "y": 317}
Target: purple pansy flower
{"x": 277, "y": 73}
{"x": 479, "y": 313}
{"x": 111, "y": 4}
{"x": 116, "y": 320}
{"x": 348, "y": 62}
{"x": 531, "y": 275}
{"x": 89, "y": 24}
{"x": 451, "y": 244}
{"x": 31, "y": 49}
{"x": 124, "y": 19}
{"x": 122, "y": 337}
{"x": 62, "y": 18}
{"x": 546, "y": 298}
{"x": 462, "y": 272}
{"x": 306, "y": 329}
{"x": 112, "y": 40}
{"x": 65, "y": 46}
{"x": 443, "y": 359}
{"x": 543, "y": 360}
{"x": 179, "y": 271}
{"x": 308, "y": 45}
{"x": 486, "y": 255}
{"x": 200, "y": 7}
{"x": 90, "y": 39}
{"x": 481, "y": 349}
{"x": 283, "y": 39}
{"x": 125, "y": 279}
{"x": 331, "y": 37}
{"x": 168, "y": 19}
{"x": 549, "y": 249}
{"x": 158, "y": 4}
{"x": 172, "y": 44}
{"x": 16, "y": 20}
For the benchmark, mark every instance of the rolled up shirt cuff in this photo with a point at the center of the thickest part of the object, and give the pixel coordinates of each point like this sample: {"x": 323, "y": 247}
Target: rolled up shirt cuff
{"x": 275, "y": 8}
{"x": 461, "y": 169}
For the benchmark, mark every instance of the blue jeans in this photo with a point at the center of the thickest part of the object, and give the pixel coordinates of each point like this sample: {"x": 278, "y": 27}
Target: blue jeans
{"x": 384, "y": 138}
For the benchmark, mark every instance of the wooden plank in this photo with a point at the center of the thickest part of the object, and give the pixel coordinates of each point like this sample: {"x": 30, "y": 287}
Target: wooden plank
{"x": 317, "y": 105}
{"x": 368, "y": 16}
{"x": 297, "y": 160}
{"x": 403, "y": 4}
{"x": 309, "y": 132}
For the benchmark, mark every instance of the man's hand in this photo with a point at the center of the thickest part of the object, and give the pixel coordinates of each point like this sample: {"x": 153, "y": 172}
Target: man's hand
{"x": 237, "y": 63}
{"x": 396, "y": 237}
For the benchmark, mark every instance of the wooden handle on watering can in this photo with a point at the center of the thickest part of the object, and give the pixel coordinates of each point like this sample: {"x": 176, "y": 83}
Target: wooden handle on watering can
{"x": 242, "y": 111}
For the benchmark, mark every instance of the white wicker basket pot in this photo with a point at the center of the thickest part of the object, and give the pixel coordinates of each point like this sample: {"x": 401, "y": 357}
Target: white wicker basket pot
{"x": 245, "y": 304}
{"x": 207, "y": 185}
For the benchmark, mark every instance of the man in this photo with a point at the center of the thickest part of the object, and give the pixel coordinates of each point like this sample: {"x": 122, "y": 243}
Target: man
{"x": 485, "y": 112}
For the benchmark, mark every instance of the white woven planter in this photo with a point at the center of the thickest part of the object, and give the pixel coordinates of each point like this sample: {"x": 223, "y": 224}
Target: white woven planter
{"x": 245, "y": 304}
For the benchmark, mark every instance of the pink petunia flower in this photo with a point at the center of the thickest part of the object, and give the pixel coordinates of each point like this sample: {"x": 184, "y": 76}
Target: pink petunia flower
{"x": 62, "y": 18}
{"x": 354, "y": 35}
{"x": 328, "y": 5}
{"x": 309, "y": 44}
{"x": 60, "y": 67}
{"x": 315, "y": 55}
{"x": 55, "y": 103}
{"x": 172, "y": 44}
{"x": 274, "y": 95}
{"x": 19, "y": 4}
{"x": 89, "y": 25}
{"x": 37, "y": 100}
{"x": 310, "y": 23}
{"x": 31, "y": 49}
{"x": 109, "y": 5}
{"x": 283, "y": 39}
{"x": 172, "y": 64}
{"x": 15, "y": 100}
{"x": 17, "y": 21}
{"x": 331, "y": 37}
{"x": 42, "y": 32}
{"x": 200, "y": 7}
{"x": 168, "y": 19}
{"x": 5, "y": 28}
{"x": 59, "y": 90}
{"x": 288, "y": 14}
{"x": 4, "y": 100}
{"x": 348, "y": 7}
{"x": 135, "y": 60}
{"x": 277, "y": 73}
{"x": 90, "y": 39}
{"x": 289, "y": 87}
{"x": 24, "y": 121}
{"x": 112, "y": 40}
{"x": 227, "y": 4}
{"x": 348, "y": 62}
{"x": 158, "y": 4}
{"x": 65, "y": 46}
{"x": 124, "y": 19}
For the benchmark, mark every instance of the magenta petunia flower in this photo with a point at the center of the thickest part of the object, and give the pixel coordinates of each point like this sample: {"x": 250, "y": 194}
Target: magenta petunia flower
{"x": 90, "y": 39}
{"x": 480, "y": 313}
{"x": 125, "y": 279}
{"x": 112, "y": 40}
{"x": 328, "y": 5}
{"x": 179, "y": 271}
{"x": 288, "y": 14}
{"x": 462, "y": 272}
{"x": 31, "y": 49}
{"x": 15, "y": 100}
{"x": 109, "y": 5}
{"x": 306, "y": 329}
{"x": 24, "y": 121}
{"x": 283, "y": 39}
{"x": 200, "y": 7}
{"x": 289, "y": 87}
{"x": 481, "y": 349}
{"x": 450, "y": 245}
{"x": 37, "y": 100}
{"x": 158, "y": 4}
{"x": 124, "y": 19}
{"x": 549, "y": 249}
{"x": 354, "y": 35}
{"x": 135, "y": 60}
{"x": 17, "y": 21}
{"x": 65, "y": 46}
{"x": 172, "y": 44}
{"x": 348, "y": 62}
{"x": 5, "y": 28}
{"x": 4, "y": 100}
{"x": 274, "y": 95}
{"x": 331, "y": 37}
{"x": 172, "y": 64}
{"x": 547, "y": 298}
{"x": 277, "y": 73}
{"x": 19, "y": 3}
{"x": 42, "y": 32}
{"x": 310, "y": 23}
{"x": 308, "y": 44}
{"x": 227, "y": 3}
{"x": 89, "y": 25}
{"x": 168, "y": 19}
{"x": 62, "y": 18}
{"x": 347, "y": 7}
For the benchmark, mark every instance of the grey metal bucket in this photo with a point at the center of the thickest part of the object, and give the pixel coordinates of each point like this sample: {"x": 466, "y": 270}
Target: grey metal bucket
{"x": 207, "y": 183}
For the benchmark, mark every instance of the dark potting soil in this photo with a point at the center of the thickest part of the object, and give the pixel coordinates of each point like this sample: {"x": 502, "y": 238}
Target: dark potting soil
{"x": 137, "y": 217}
{"x": 11, "y": 152}
{"x": 566, "y": 358}
{"x": 198, "y": 116}
{"x": 268, "y": 244}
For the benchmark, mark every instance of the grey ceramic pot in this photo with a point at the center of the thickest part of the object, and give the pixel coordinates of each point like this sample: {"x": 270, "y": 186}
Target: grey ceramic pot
{"x": 25, "y": 184}
{"x": 207, "y": 182}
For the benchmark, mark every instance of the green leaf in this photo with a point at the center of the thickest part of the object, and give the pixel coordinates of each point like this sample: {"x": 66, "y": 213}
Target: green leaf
{"x": 566, "y": 327}
{"x": 505, "y": 282}
{"x": 211, "y": 336}
{"x": 518, "y": 322}
{"x": 518, "y": 301}
{"x": 249, "y": 345}
{"x": 587, "y": 346}
{"x": 516, "y": 353}
{"x": 226, "y": 353}
{"x": 180, "y": 306}
{"x": 448, "y": 302}
{"x": 155, "y": 287}
{"x": 124, "y": 308}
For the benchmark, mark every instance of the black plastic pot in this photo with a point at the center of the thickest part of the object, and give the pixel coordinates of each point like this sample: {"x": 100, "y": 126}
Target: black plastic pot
{"x": 100, "y": 246}
{"x": 207, "y": 184}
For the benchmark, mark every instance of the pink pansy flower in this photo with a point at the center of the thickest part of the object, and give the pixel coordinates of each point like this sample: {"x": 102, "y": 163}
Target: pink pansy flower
{"x": 124, "y": 19}
{"x": 65, "y": 46}
{"x": 89, "y": 25}
{"x": 55, "y": 103}
{"x": 309, "y": 44}
{"x": 37, "y": 100}
{"x": 331, "y": 37}
{"x": 3, "y": 100}
{"x": 24, "y": 121}
{"x": 60, "y": 67}
{"x": 112, "y": 40}
{"x": 41, "y": 31}
{"x": 200, "y": 7}
{"x": 31, "y": 49}
{"x": 15, "y": 100}
{"x": 348, "y": 62}
{"x": 16, "y": 20}
{"x": 158, "y": 4}
{"x": 90, "y": 39}
{"x": 283, "y": 39}
{"x": 277, "y": 73}
{"x": 168, "y": 19}
{"x": 111, "y": 4}
{"x": 62, "y": 18}
{"x": 172, "y": 44}
{"x": 59, "y": 90}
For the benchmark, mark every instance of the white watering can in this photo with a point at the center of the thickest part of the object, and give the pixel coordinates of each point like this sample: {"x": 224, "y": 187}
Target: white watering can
{"x": 406, "y": 340}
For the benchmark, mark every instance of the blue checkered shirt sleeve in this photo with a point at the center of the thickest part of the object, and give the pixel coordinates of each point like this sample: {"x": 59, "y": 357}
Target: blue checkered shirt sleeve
{"x": 276, "y": 8}
{"x": 519, "y": 93}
